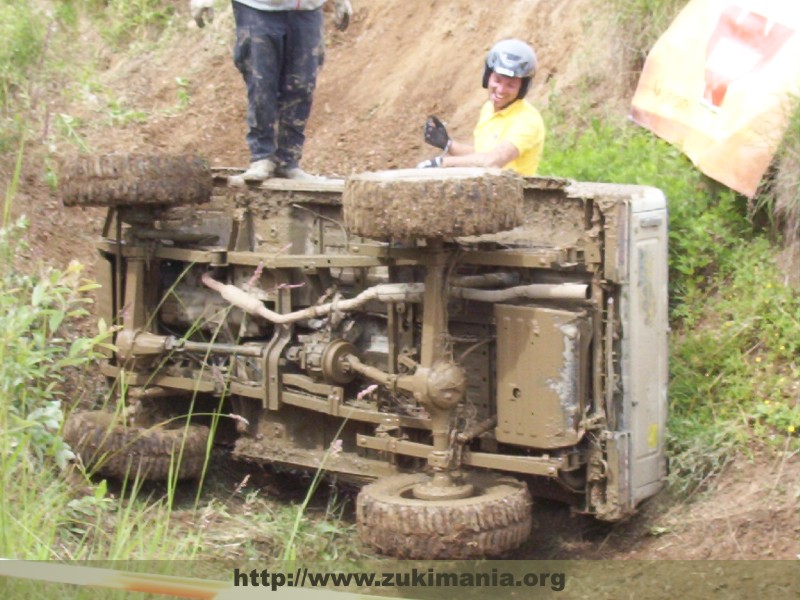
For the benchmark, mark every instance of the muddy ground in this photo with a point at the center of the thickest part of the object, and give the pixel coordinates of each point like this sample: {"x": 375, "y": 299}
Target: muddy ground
{"x": 398, "y": 63}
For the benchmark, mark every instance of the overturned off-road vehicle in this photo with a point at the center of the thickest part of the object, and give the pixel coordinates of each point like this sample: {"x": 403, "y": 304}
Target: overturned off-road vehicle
{"x": 459, "y": 339}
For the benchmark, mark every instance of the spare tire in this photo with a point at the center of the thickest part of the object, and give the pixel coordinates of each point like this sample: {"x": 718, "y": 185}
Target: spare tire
{"x": 432, "y": 203}
{"x": 113, "y": 449}
{"x": 134, "y": 180}
{"x": 494, "y": 520}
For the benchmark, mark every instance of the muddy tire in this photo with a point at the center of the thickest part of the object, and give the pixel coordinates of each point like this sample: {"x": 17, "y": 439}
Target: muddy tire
{"x": 432, "y": 203}
{"x": 495, "y": 520}
{"x": 134, "y": 180}
{"x": 111, "y": 449}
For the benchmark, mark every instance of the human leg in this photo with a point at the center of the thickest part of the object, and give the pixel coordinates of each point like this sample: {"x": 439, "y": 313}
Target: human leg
{"x": 259, "y": 54}
{"x": 303, "y": 54}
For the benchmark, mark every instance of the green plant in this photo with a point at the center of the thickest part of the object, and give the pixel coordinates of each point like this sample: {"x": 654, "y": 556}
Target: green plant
{"x": 120, "y": 115}
{"x": 22, "y": 29}
{"x": 183, "y": 96}
{"x": 39, "y": 352}
{"x": 28, "y": 29}
{"x": 127, "y": 20}
{"x": 183, "y": 92}
{"x": 68, "y": 127}
{"x": 51, "y": 173}
{"x": 734, "y": 367}
{"x": 33, "y": 354}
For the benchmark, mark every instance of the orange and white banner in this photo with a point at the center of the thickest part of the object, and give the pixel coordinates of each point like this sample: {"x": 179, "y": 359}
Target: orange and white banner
{"x": 720, "y": 84}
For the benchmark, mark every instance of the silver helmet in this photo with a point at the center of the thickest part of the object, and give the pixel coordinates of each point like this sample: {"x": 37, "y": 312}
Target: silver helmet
{"x": 512, "y": 58}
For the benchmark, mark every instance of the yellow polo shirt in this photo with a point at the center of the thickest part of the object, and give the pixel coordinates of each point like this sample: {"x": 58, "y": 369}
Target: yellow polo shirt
{"x": 518, "y": 123}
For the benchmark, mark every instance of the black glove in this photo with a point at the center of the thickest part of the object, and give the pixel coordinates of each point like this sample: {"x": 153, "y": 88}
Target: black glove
{"x": 436, "y": 134}
{"x": 430, "y": 163}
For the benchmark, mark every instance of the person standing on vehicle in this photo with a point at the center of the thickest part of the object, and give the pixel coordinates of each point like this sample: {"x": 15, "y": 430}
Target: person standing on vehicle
{"x": 510, "y": 132}
{"x": 279, "y": 49}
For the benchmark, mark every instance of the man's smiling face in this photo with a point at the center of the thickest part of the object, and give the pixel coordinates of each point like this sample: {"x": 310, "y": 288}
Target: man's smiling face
{"x": 503, "y": 90}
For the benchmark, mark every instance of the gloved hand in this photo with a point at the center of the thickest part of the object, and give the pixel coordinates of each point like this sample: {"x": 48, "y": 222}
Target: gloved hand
{"x": 202, "y": 11}
{"x": 342, "y": 11}
{"x": 436, "y": 134}
{"x": 430, "y": 163}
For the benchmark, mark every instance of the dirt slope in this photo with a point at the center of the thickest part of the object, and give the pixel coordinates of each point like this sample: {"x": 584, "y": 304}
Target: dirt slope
{"x": 399, "y": 62}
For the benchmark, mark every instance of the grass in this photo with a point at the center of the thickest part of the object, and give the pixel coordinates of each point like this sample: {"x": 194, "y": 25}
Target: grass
{"x": 33, "y": 359}
{"x": 38, "y": 59}
{"x": 247, "y": 525}
{"x": 127, "y": 21}
{"x": 23, "y": 31}
{"x": 778, "y": 202}
{"x": 639, "y": 25}
{"x": 787, "y": 179}
{"x": 290, "y": 548}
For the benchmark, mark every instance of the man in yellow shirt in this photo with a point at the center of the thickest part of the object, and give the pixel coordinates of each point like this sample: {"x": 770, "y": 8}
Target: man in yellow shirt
{"x": 510, "y": 132}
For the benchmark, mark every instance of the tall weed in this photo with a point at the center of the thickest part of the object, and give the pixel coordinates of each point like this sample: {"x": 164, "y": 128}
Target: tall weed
{"x": 27, "y": 30}
{"x": 22, "y": 30}
{"x": 640, "y": 23}
{"x": 38, "y": 40}
{"x": 37, "y": 354}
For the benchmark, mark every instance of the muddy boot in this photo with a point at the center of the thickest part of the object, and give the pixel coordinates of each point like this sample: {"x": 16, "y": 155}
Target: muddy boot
{"x": 298, "y": 174}
{"x": 258, "y": 170}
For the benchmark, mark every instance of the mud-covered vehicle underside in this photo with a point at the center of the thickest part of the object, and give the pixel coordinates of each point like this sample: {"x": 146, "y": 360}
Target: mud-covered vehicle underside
{"x": 462, "y": 338}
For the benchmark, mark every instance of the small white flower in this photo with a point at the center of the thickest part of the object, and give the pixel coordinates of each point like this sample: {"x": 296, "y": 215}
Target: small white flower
{"x": 336, "y": 448}
{"x": 239, "y": 418}
{"x": 367, "y": 391}
{"x": 242, "y": 484}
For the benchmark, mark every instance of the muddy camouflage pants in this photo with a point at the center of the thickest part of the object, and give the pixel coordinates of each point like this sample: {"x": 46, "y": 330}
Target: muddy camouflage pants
{"x": 278, "y": 53}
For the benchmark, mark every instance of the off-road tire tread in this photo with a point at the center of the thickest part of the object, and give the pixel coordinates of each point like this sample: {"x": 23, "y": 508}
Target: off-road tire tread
{"x": 435, "y": 203}
{"x": 112, "y": 449}
{"x": 485, "y": 526}
{"x": 134, "y": 180}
